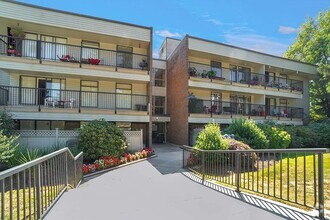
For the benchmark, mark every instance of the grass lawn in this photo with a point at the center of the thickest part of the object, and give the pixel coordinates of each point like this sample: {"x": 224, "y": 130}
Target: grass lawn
{"x": 291, "y": 188}
{"x": 48, "y": 196}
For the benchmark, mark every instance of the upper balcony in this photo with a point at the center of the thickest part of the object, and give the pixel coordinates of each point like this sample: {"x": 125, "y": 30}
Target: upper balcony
{"x": 239, "y": 78}
{"x": 67, "y": 55}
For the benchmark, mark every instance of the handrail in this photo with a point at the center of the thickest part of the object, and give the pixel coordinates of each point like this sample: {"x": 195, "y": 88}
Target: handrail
{"x": 71, "y": 45}
{"x": 275, "y": 78}
{"x": 291, "y": 150}
{"x": 291, "y": 175}
{"x": 19, "y": 168}
{"x": 38, "y": 184}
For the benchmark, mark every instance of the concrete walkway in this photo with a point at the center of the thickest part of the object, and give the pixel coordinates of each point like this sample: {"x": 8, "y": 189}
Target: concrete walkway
{"x": 155, "y": 189}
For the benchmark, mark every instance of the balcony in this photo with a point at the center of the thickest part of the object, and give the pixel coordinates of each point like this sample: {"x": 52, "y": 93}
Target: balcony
{"x": 228, "y": 76}
{"x": 71, "y": 101}
{"x": 223, "y": 109}
{"x": 79, "y": 56}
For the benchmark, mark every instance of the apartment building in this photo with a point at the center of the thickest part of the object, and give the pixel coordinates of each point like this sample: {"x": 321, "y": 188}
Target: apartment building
{"x": 213, "y": 82}
{"x": 60, "y": 69}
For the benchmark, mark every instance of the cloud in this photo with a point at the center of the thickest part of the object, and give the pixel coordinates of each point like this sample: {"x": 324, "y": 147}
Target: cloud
{"x": 166, "y": 33}
{"x": 257, "y": 42}
{"x": 288, "y": 30}
{"x": 214, "y": 21}
{"x": 155, "y": 54}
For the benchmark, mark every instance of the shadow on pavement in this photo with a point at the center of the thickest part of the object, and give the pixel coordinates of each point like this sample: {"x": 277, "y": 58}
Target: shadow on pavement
{"x": 265, "y": 204}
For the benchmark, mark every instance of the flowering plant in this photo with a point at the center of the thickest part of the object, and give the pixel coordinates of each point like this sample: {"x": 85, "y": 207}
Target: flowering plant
{"x": 105, "y": 162}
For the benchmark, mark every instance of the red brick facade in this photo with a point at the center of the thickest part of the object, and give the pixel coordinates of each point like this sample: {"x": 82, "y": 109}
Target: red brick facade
{"x": 177, "y": 94}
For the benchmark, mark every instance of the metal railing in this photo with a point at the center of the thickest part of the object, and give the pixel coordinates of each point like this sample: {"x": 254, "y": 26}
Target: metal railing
{"x": 248, "y": 78}
{"x": 55, "y": 98}
{"x": 281, "y": 174}
{"x": 29, "y": 190}
{"x": 213, "y": 108}
{"x": 51, "y": 51}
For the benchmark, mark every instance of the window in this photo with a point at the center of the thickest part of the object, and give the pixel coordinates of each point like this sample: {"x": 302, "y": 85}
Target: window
{"x": 269, "y": 77}
{"x": 283, "y": 80}
{"x": 240, "y": 74}
{"x": 124, "y": 57}
{"x": 159, "y": 77}
{"x": 243, "y": 74}
{"x": 47, "y": 87}
{"x": 27, "y": 125}
{"x": 158, "y": 105}
{"x": 89, "y": 95}
{"x": 71, "y": 125}
{"x": 216, "y": 66}
{"x": 54, "y": 47}
{"x": 240, "y": 104}
{"x": 90, "y": 50}
{"x": 43, "y": 125}
{"x": 123, "y": 96}
{"x": 233, "y": 73}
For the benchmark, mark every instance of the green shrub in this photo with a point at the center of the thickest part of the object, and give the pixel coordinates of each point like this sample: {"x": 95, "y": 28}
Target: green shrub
{"x": 24, "y": 154}
{"x": 278, "y": 138}
{"x": 6, "y": 123}
{"x": 8, "y": 147}
{"x": 101, "y": 138}
{"x": 302, "y": 136}
{"x": 210, "y": 138}
{"x": 249, "y": 133}
{"x": 322, "y": 130}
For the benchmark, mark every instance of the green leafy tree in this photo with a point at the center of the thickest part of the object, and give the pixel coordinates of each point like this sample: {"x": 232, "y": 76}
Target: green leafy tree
{"x": 313, "y": 46}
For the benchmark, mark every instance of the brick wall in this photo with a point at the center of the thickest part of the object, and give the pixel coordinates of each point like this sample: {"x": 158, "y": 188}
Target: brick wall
{"x": 177, "y": 94}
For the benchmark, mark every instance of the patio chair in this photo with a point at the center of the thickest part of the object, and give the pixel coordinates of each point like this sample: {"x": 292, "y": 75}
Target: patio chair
{"x": 71, "y": 101}
{"x": 49, "y": 101}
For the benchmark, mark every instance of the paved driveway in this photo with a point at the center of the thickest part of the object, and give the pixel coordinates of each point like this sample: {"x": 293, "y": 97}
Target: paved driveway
{"x": 156, "y": 189}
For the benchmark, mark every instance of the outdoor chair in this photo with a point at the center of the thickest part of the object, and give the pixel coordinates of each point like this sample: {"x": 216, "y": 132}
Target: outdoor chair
{"x": 50, "y": 101}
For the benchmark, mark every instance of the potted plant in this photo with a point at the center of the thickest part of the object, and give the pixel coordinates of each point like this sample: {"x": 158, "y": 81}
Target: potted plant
{"x": 211, "y": 74}
{"x": 17, "y": 32}
{"x": 204, "y": 74}
{"x": 192, "y": 71}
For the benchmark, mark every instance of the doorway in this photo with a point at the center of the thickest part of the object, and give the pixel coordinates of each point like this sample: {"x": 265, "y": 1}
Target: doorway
{"x": 159, "y": 132}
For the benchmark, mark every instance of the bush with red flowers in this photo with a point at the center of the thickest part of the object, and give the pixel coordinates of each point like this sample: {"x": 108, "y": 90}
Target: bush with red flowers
{"x": 105, "y": 162}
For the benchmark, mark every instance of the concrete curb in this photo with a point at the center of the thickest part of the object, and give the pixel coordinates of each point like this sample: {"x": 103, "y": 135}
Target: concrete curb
{"x": 117, "y": 167}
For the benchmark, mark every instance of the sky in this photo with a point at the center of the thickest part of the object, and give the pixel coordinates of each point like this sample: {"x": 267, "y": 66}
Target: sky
{"x": 262, "y": 25}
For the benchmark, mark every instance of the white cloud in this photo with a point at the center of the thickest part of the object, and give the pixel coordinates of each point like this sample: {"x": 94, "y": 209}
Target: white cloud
{"x": 155, "y": 54}
{"x": 257, "y": 42}
{"x": 288, "y": 30}
{"x": 214, "y": 21}
{"x": 166, "y": 33}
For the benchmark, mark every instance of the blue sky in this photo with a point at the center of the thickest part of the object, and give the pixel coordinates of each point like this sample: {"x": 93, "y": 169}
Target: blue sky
{"x": 266, "y": 26}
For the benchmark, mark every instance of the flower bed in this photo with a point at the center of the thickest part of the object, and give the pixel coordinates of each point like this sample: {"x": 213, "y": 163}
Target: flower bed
{"x": 108, "y": 161}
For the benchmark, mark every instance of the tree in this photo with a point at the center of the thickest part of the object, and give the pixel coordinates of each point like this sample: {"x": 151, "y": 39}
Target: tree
{"x": 313, "y": 46}
{"x": 6, "y": 123}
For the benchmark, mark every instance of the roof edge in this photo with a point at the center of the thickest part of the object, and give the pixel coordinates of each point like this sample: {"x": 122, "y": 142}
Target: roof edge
{"x": 254, "y": 51}
{"x": 76, "y": 14}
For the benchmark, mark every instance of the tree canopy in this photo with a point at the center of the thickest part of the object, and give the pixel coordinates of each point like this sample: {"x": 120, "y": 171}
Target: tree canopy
{"x": 313, "y": 46}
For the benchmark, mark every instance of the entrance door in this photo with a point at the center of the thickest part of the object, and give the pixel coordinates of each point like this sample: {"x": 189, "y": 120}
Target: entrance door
{"x": 271, "y": 106}
{"x": 158, "y": 132}
{"x": 144, "y": 127}
{"x": 42, "y": 92}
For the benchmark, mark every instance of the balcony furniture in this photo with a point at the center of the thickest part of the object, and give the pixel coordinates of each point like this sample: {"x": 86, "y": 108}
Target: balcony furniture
{"x": 67, "y": 58}
{"x": 228, "y": 109}
{"x": 85, "y": 61}
{"x": 140, "y": 107}
{"x": 143, "y": 64}
{"x": 213, "y": 109}
{"x": 206, "y": 109}
{"x": 61, "y": 103}
{"x": 49, "y": 101}
{"x": 94, "y": 61}
{"x": 284, "y": 113}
